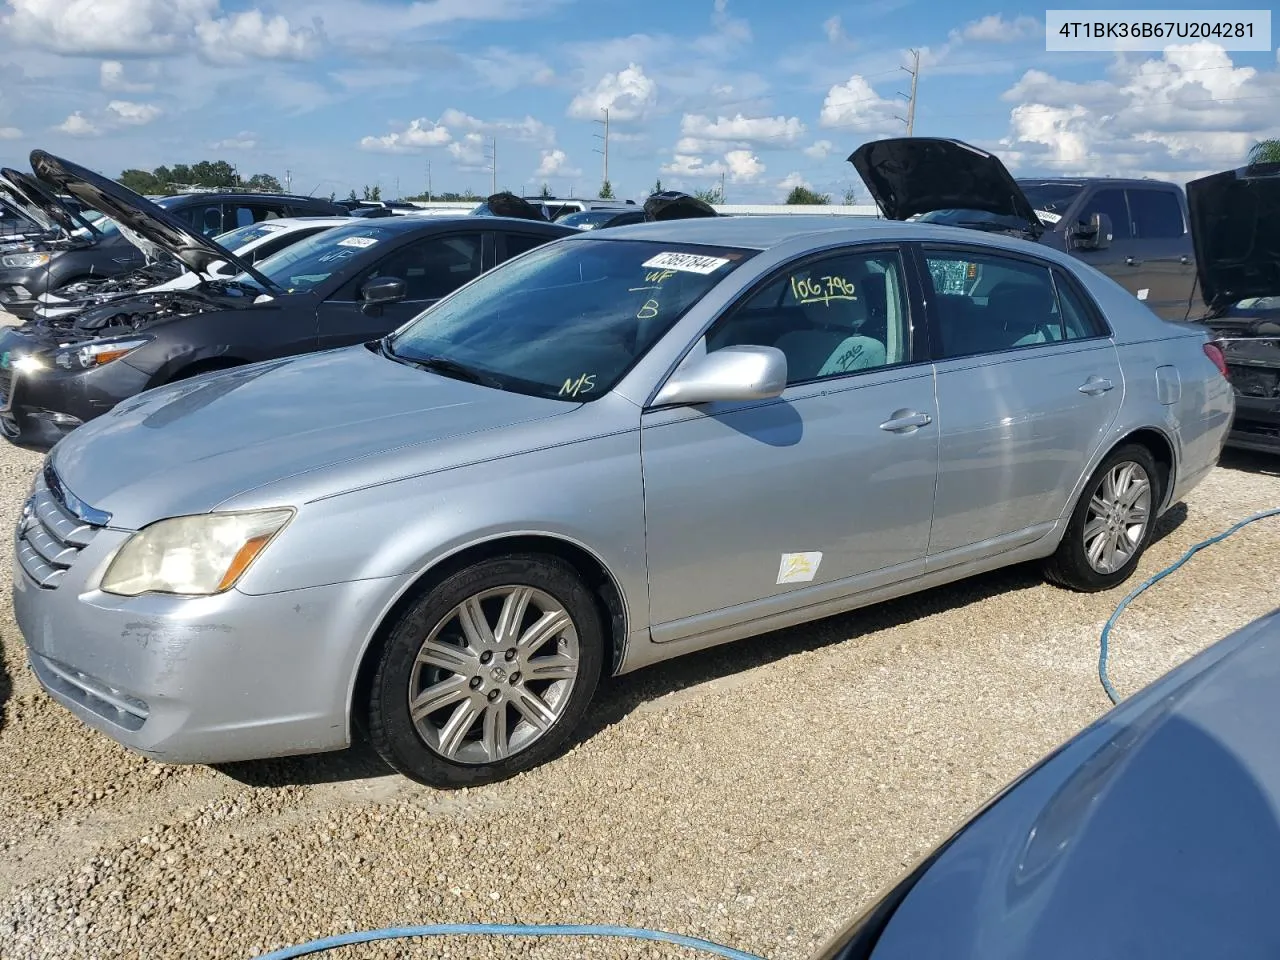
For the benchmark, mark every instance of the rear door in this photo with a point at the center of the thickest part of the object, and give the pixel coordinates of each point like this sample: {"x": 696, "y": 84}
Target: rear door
{"x": 1164, "y": 247}
{"x": 1122, "y": 259}
{"x": 1028, "y": 384}
{"x": 431, "y": 267}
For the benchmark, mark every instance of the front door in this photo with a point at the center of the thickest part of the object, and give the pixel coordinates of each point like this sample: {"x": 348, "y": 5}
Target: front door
{"x": 765, "y": 506}
{"x": 1123, "y": 259}
{"x": 1028, "y": 383}
{"x": 431, "y": 268}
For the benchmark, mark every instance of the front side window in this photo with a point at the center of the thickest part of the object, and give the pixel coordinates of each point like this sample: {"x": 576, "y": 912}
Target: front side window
{"x": 306, "y": 264}
{"x": 518, "y": 243}
{"x": 434, "y": 267}
{"x": 830, "y": 317}
{"x": 567, "y": 320}
{"x": 1003, "y": 304}
{"x": 1111, "y": 202}
{"x": 1156, "y": 214}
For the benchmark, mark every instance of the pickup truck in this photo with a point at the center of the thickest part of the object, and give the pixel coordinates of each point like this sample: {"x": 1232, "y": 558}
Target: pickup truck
{"x": 1135, "y": 231}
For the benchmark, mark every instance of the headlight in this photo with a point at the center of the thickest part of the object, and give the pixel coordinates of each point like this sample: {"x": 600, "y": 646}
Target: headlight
{"x": 25, "y": 260}
{"x": 27, "y": 365}
{"x": 86, "y": 356}
{"x": 194, "y": 556}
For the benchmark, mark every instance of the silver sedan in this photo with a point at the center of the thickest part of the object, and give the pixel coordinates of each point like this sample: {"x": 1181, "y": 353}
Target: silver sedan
{"x": 612, "y": 450}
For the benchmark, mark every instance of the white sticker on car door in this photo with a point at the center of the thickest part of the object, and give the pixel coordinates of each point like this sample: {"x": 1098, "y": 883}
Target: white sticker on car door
{"x": 1142, "y": 294}
{"x": 798, "y": 567}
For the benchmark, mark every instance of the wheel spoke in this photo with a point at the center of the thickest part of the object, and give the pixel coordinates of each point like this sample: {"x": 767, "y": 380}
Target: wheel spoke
{"x": 1096, "y": 548}
{"x": 447, "y": 657}
{"x": 494, "y": 737}
{"x": 514, "y": 608}
{"x": 1093, "y": 528}
{"x": 455, "y": 729}
{"x": 534, "y": 709}
{"x": 438, "y": 695}
{"x": 546, "y": 627}
{"x": 475, "y": 625}
{"x": 558, "y": 667}
{"x": 1098, "y": 505}
{"x": 1135, "y": 493}
{"x": 1109, "y": 488}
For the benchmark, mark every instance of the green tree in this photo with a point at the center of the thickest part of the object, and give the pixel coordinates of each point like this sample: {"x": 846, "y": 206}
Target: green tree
{"x": 711, "y": 196}
{"x": 606, "y": 191}
{"x": 264, "y": 183}
{"x": 657, "y": 187}
{"x": 803, "y": 195}
{"x": 139, "y": 181}
{"x": 352, "y": 195}
{"x": 332, "y": 196}
{"x": 1265, "y": 151}
{"x": 850, "y": 197}
{"x": 372, "y": 193}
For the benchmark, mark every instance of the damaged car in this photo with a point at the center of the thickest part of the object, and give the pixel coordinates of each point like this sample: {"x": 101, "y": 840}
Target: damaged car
{"x": 1235, "y": 217}
{"x": 343, "y": 286}
{"x": 1135, "y": 231}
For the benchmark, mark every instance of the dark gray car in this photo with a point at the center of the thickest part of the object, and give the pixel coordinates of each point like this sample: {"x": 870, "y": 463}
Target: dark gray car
{"x": 1151, "y": 834}
{"x": 1135, "y": 231}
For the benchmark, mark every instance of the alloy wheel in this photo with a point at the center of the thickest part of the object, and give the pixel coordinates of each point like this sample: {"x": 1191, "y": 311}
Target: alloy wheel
{"x": 1118, "y": 517}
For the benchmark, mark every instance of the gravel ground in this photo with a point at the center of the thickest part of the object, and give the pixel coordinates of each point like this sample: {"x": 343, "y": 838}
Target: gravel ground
{"x": 758, "y": 795}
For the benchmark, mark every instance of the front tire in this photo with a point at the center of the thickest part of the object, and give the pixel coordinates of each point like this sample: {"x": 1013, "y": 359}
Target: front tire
{"x": 1112, "y": 524}
{"x": 487, "y": 673}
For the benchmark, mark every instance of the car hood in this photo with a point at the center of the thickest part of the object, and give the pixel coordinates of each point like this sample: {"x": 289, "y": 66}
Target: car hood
{"x": 1153, "y": 833}
{"x": 132, "y": 212}
{"x": 14, "y": 199}
{"x": 34, "y": 193}
{"x": 1235, "y": 228}
{"x": 190, "y": 446}
{"x": 908, "y": 176}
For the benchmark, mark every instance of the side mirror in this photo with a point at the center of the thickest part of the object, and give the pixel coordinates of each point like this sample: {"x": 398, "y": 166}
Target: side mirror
{"x": 727, "y": 374}
{"x": 1093, "y": 234}
{"x": 382, "y": 290}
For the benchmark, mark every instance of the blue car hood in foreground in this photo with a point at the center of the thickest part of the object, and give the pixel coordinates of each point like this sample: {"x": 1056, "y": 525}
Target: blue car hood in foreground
{"x": 1153, "y": 834}
{"x": 187, "y": 447}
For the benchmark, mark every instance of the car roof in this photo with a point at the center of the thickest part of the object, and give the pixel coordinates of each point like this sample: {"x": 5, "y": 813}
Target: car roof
{"x": 238, "y": 195}
{"x": 1090, "y": 181}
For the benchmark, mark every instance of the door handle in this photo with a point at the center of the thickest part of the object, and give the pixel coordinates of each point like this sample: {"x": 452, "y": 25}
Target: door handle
{"x": 1184, "y": 260}
{"x": 1095, "y": 386}
{"x": 906, "y": 421}
{"x": 1131, "y": 261}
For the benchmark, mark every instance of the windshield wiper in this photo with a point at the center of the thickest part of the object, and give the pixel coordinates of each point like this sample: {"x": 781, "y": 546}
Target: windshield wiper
{"x": 441, "y": 365}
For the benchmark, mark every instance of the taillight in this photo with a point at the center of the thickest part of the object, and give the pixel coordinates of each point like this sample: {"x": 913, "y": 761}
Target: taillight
{"x": 1214, "y": 353}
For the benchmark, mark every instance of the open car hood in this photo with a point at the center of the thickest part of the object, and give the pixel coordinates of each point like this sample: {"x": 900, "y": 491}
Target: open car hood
{"x": 34, "y": 193}
{"x": 135, "y": 214}
{"x": 14, "y": 199}
{"x": 912, "y": 175}
{"x": 674, "y": 205}
{"x": 1235, "y": 228}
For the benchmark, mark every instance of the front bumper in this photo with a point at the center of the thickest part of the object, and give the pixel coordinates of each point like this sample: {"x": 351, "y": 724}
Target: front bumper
{"x": 19, "y": 288}
{"x": 38, "y": 408}
{"x": 188, "y": 680}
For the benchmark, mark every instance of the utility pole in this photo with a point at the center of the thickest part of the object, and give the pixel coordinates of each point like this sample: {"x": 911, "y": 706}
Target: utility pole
{"x": 397, "y": 188}
{"x": 428, "y": 181}
{"x": 605, "y": 139}
{"x": 288, "y": 180}
{"x": 914, "y": 70}
{"x": 722, "y": 186}
{"x": 493, "y": 163}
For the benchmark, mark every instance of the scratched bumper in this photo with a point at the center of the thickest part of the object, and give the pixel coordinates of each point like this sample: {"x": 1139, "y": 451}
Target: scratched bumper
{"x": 205, "y": 680}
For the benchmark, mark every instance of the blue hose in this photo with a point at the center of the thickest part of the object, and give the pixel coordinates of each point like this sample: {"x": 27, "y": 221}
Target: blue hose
{"x": 1104, "y": 646}
{"x": 506, "y": 930}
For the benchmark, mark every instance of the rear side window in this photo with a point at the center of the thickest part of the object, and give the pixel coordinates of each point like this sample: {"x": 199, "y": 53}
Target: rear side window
{"x": 1156, "y": 214}
{"x": 1112, "y": 203}
{"x": 518, "y": 243}
{"x": 1001, "y": 304}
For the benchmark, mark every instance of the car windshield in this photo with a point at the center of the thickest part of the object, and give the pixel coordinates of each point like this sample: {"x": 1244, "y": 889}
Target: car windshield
{"x": 235, "y": 239}
{"x": 567, "y": 320}
{"x": 587, "y": 218}
{"x": 300, "y": 267}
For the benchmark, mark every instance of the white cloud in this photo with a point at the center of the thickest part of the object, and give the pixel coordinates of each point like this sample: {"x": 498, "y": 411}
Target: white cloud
{"x": 555, "y": 164}
{"x": 744, "y": 166}
{"x": 856, "y": 104}
{"x": 996, "y": 29}
{"x": 469, "y": 152}
{"x": 251, "y": 35}
{"x": 111, "y": 77}
{"x": 684, "y": 165}
{"x": 418, "y": 135}
{"x": 10, "y": 133}
{"x": 77, "y": 126}
{"x": 528, "y": 129}
{"x": 741, "y": 166}
{"x": 244, "y": 140}
{"x": 506, "y": 70}
{"x": 819, "y": 149}
{"x": 742, "y": 129}
{"x": 132, "y": 114}
{"x": 834, "y": 30}
{"x": 627, "y": 94}
{"x": 791, "y": 181}
{"x": 1189, "y": 109}
{"x": 734, "y": 28}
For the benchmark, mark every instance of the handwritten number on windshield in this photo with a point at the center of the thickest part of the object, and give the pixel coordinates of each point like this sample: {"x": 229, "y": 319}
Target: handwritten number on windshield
{"x": 822, "y": 290}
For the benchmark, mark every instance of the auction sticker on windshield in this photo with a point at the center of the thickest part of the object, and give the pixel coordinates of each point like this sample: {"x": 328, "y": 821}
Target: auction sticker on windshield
{"x": 688, "y": 262}
{"x": 361, "y": 242}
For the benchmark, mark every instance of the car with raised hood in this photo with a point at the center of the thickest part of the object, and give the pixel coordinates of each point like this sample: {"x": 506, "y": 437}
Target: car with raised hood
{"x": 342, "y": 286}
{"x": 602, "y": 219}
{"x": 1235, "y": 216}
{"x": 250, "y": 244}
{"x": 450, "y": 534}
{"x": 1135, "y": 231}
{"x": 1151, "y": 834}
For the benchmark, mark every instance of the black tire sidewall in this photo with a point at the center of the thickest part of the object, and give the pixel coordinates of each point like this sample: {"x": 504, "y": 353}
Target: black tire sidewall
{"x": 390, "y": 727}
{"x": 1077, "y": 567}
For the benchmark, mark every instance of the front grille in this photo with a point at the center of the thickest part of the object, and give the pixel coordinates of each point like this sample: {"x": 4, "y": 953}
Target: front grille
{"x": 53, "y": 530}
{"x": 1254, "y": 381}
{"x": 6, "y": 387}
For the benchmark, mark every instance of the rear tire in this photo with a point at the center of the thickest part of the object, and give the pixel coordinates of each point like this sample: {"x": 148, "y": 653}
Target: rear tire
{"x": 488, "y": 673}
{"x": 1111, "y": 525}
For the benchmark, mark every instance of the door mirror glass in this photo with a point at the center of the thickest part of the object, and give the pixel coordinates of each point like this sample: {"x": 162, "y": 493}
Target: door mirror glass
{"x": 382, "y": 290}
{"x": 1092, "y": 234}
{"x": 728, "y": 374}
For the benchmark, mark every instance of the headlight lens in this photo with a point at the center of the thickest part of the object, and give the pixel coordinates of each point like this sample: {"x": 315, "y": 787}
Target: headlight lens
{"x": 194, "y": 556}
{"x": 25, "y": 260}
{"x": 86, "y": 356}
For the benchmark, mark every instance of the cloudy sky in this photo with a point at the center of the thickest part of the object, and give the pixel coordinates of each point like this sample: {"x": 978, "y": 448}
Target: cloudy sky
{"x": 344, "y": 93}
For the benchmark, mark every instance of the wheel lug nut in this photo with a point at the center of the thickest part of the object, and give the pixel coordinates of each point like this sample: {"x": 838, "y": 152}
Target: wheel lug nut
{"x": 475, "y": 682}
{"x": 515, "y": 677}
{"x": 494, "y": 694}
{"x": 510, "y": 654}
{"x": 486, "y": 657}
